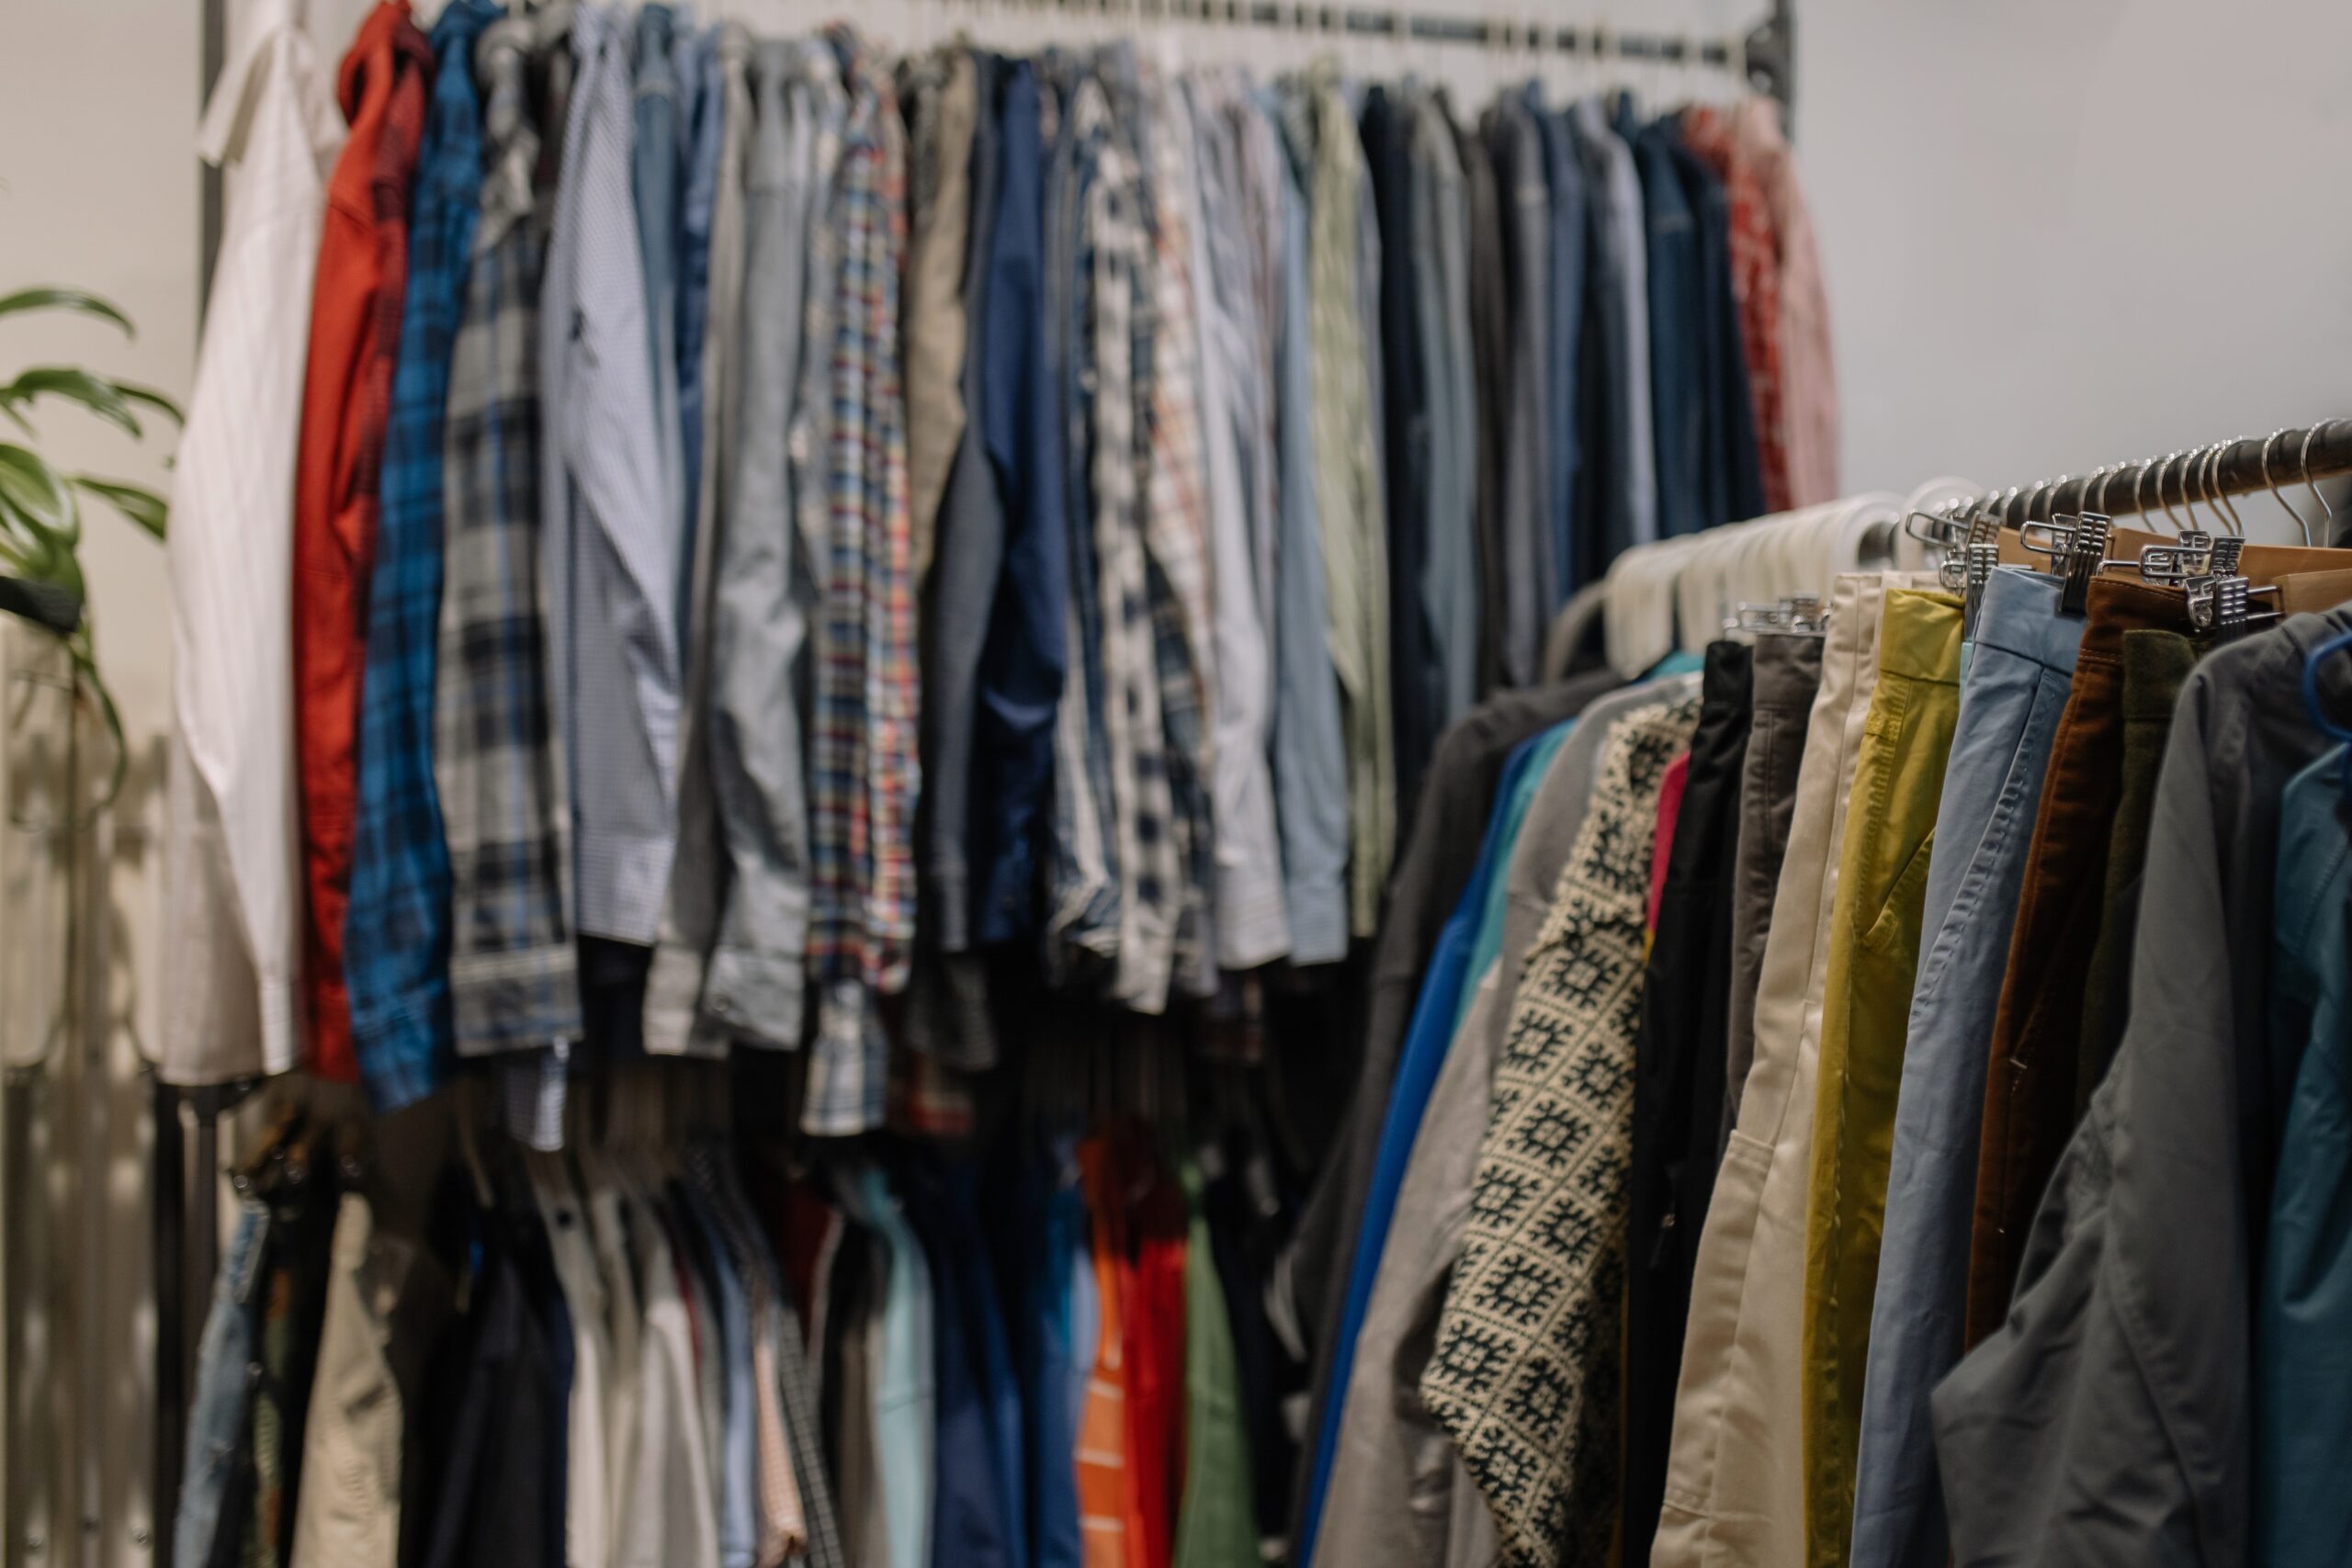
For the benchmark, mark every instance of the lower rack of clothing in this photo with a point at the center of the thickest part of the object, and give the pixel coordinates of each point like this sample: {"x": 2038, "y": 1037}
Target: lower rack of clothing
{"x": 691, "y": 1351}
{"x": 1868, "y": 1093}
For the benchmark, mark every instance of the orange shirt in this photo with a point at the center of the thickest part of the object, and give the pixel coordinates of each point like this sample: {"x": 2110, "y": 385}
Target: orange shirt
{"x": 1105, "y": 1485}
{"x": 354, "y": 333}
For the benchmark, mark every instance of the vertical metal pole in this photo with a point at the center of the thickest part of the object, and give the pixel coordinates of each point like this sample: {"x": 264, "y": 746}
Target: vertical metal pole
{"x": 171, "y": 1315}
{"x": 175, "y": 1262}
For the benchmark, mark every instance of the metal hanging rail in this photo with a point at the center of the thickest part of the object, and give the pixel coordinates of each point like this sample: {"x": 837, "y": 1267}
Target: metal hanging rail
{"x": 1766, "y": 54}
{"x": 2189, "y": 477}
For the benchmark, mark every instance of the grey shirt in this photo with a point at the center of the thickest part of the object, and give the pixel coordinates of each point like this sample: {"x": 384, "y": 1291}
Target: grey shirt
{"x": 611, "y": 544}
{"x": 674, "y": 988}
{"x": 2128, "y": 1347}
{"x": 1449, "y": 584}
{"x": 1252, "y": 926}
{"x": 757, "y": 982}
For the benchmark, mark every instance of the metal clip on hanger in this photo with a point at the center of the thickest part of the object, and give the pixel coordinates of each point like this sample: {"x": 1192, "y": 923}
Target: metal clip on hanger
{"x": 1977, "y": 562}
{"x": 2086, "y": 553}
{"x": 2224, "y": 605}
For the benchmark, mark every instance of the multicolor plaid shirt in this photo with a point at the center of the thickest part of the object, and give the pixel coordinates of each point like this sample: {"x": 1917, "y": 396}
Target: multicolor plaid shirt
{"x": 1176, "y": 531}
{"x": 396, "y": 929}
{"x": 513, "y": 980}
{"x": 864, "y": 775}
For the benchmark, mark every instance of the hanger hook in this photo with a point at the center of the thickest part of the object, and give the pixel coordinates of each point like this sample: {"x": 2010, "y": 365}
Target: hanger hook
{"x": 2162, "y": 500}
{"x": 2220, "y": 491}
{"x": 2304, "y": 461}
{"x": 2300, "y": 526}
{"x": 2193, "y": 465}
{"x": 2106, "y": 473}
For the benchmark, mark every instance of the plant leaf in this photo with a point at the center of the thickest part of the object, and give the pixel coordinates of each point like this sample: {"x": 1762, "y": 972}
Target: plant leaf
{"x": 133, "y": 392}
{"x": 34, "y": 490}
{"x": 55, "y": 299}
{"x": 97, "y": 394}
{"x": 143, "y": 506}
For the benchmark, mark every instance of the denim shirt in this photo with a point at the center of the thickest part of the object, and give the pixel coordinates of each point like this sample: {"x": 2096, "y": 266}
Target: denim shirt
{"x": 1564, "y": 179}
{"x": 1026, "y": 658}
{"x": 704, "y": 114}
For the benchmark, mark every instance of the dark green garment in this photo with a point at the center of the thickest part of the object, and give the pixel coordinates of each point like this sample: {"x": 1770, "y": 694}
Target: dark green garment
{"x": 1217, "y": 1526}
{"x": 2155, "y": 663}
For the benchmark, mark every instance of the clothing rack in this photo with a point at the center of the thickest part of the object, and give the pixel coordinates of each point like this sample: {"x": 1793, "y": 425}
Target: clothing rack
{"x": 184, "y": 1227}
{"x": 2247, "y": 467}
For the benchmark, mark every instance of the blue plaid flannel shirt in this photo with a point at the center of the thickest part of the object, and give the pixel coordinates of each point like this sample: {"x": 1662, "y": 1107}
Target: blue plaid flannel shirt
{"x": 396, "y": 934}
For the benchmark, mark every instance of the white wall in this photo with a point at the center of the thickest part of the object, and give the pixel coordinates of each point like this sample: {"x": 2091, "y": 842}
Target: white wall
{"x": 97, "y": 189}
{"x": 2059, "y": 235}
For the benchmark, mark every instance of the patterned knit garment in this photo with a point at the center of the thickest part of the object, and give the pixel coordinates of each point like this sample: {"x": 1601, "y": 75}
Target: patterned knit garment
{"x": 1526, "y": 1374}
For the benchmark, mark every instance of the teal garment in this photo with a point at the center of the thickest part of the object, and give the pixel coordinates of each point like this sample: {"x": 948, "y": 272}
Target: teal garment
{"x": 905, "y": 1411}
{"x": 1486, "y": 945}
{"x": 2302, "y": 1346}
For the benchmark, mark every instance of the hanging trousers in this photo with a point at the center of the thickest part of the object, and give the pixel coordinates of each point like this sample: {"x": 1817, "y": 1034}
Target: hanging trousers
{"x": 1787, "y": 678}
{"x": 1874, "y": 928}
{"x": 2156, "y": 665}
{"x": 1679, "y": 1080}
{"x": 2032, "y": 1060}
{"x": 2019, "y": 669}
{"x": 1734, "y": 1485}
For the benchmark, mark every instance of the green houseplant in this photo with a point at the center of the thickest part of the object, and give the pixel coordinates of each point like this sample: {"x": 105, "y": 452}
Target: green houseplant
{"x": 40, "y": 505}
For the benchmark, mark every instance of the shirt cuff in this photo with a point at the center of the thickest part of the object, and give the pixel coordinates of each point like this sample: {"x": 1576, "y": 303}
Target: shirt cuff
{"x": 1319, "y": 922}
{"x": 758, "y": 996}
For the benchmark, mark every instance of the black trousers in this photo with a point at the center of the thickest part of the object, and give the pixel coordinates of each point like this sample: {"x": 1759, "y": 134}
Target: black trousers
{"x": 1679, "y": 1077}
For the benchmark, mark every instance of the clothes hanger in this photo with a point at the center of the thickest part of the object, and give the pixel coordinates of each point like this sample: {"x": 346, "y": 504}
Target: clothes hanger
{"x": 2301, "y": 526}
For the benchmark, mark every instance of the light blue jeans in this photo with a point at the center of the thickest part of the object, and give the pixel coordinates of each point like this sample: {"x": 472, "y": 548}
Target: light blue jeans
{"x": 224, "y": 1388}
{"x": 2014, "y": 688}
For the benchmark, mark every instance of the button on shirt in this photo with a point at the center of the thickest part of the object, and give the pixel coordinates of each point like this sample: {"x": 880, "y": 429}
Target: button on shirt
{"x": 354, "y": 333}
{"x": 273, "y": 129}
{"x": 611, "y": 538}
{"x": 398, "y": 924}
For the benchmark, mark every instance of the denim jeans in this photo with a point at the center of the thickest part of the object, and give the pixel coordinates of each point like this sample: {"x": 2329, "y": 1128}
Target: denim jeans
{"x": 2017, "y": 685}
{"x": 217, "y": 1427}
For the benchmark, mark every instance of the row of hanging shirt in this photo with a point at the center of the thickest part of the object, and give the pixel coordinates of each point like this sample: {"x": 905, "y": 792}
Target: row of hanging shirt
{"x": 639, "y": 1350}
{"x": 1969, "y": 976}
{"x": 744, "y": 533}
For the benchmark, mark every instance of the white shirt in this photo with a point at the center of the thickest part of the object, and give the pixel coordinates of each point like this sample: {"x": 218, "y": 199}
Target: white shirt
{"x": 234, "y": 898}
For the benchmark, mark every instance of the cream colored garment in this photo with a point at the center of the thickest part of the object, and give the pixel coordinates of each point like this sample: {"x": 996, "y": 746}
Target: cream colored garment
{"x": 666, "y": 1513}
{"x": 348, "y": 1512}
{"x": 587, "y": 1526}
{"x": 1734, "y": 1479}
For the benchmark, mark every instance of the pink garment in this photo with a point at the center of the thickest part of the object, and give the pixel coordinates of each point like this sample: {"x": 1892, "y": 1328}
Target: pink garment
{"x": 1669, "y": 811}
{"x": 1808, "y": 377}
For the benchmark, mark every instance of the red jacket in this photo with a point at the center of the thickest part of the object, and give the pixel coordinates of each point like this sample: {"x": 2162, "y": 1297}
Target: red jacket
{"x": 347, "y": 395}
